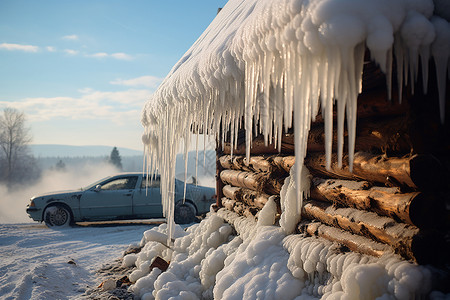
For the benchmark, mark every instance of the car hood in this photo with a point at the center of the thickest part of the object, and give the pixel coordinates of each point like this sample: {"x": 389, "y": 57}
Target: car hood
{"x": 58, "y": 193}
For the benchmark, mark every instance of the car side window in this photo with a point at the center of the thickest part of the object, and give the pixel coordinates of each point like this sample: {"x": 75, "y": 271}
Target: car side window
{"x": 151, "y": 182}
{"x": 125, "y": 183}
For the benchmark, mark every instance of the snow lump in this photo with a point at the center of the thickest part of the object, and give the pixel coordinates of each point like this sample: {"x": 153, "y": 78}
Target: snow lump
{"x": 214, "y": 260}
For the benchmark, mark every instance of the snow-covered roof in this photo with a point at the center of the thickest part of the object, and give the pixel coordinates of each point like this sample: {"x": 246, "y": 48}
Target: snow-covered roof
{"x": 265, "y": 60}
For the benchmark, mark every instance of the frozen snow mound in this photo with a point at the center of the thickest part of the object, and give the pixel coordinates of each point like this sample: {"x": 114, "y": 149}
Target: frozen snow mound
{"x": 231, "y": 257}
{"x": 265, "y": 60}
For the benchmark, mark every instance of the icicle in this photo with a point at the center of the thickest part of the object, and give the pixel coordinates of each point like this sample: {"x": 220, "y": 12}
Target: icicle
{"x": 341, "y": 103}
{"x": 196, "y": 156}
{"x": 355, "y": 65}
{"x": 266, "y": 94}
{"x": 399, "y": 54}
{"x": 424, "y": 59}
{"x": 440, "y": 49}
{"x": 327, "y": 108}
{"x": 204, "y": 147}
{"x": 389, "y": 63}
{"x": 186, "y": 158}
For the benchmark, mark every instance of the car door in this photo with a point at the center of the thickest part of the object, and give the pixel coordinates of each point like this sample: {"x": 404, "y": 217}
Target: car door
{"x": 110, "y": 199}
{"x": 147, "y": 198}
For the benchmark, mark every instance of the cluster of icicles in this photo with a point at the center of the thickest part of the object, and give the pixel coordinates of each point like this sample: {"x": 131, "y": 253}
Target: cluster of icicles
{"x": 273, "y": 64}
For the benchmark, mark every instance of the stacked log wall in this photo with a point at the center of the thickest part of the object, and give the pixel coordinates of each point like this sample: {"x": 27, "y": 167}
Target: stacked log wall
{"x": 395, "y": 196}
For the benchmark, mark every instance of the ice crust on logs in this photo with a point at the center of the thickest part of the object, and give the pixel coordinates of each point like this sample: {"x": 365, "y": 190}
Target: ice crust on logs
{"x": 267, "y": 61}
{"x": 210, "y": 261}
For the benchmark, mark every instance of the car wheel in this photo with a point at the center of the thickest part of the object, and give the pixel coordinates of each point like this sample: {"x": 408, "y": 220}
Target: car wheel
{"x": 184, "y": 213}
{"x": 57, "y": 215}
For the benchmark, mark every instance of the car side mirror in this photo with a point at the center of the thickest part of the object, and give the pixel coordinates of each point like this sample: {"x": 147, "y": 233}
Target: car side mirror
{"x": 98, "y": 188}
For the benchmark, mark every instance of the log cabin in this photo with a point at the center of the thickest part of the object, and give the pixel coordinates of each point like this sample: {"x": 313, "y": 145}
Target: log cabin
{"x": 359, "y": 128}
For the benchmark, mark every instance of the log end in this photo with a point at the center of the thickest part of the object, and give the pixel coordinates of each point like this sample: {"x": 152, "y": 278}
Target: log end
{"x": 427, "y": 172}
{"x": 430, "y": 249}
{"x": 426, "y": 211}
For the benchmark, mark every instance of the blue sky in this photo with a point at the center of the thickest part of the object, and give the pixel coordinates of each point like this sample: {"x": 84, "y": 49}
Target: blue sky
{"x": 82, "y": 70}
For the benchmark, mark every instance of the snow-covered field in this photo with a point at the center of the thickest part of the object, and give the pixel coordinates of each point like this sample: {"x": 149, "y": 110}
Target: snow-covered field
{"x": 41, "y": 263}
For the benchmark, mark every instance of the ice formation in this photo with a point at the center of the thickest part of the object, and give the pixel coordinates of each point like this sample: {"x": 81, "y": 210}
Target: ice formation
{"x": 267, "y": 60}
{"x": 291, "y": 210}
{"x": 209, "y": 261}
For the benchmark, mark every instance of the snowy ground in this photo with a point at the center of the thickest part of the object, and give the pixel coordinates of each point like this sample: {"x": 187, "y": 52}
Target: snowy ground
{"x": 34, "y": 260}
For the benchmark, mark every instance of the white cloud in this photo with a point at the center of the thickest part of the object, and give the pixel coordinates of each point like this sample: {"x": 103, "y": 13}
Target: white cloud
{"x": 147, "y": 81}
{"x": 18, "y": 47}
{"x": 86, "y": 90}
{"x": 72, "y": 37}
{"x": 122, "y": 56}
{"x": 71, "y": 51}
{"x": 99, "y": 55}
{"x": 118, "y": 107}
{"x": 50, "y": 48}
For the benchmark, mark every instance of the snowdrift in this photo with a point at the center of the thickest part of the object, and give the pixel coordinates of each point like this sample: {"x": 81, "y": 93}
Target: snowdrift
{"x": 250, "y": 260}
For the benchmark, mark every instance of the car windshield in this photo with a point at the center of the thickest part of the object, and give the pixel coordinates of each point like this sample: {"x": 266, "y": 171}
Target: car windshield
{"x": 94, "y": 184}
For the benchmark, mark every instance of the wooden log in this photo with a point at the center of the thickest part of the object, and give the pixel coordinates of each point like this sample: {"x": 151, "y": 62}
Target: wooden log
{"x": 247, "y": 196}
{"x": 261, "y": 182}
{"x": 270, "y": 164}
{"x": 353, "y": 242}
{"x": 417, "y": 172}
{"x": 258, "y": 147}
{"x": 375, "y": 103}
{"x": 422, "y": 172}
{"x": 250, "y": 180}
{"x": 255, "y": 164}
{"x": 230, "y": 191}
{"x": 406, "y": 240}
{"x": 416, "y": 208}
{"x": 284, "y": 162}
{"x": 381, "y": 135}
{"x": 240, "y": 208}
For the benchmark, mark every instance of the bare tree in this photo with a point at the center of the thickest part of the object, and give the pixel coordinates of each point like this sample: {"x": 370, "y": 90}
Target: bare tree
{"x": 14, "y": 139}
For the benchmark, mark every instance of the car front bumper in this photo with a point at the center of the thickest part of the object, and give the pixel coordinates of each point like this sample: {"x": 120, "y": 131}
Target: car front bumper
{"x": 34, "y": 213}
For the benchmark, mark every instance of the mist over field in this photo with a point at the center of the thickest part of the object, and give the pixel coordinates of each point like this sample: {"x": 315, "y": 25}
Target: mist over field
{"x": 80, "y": 172}
{"x": 13, "y": 202}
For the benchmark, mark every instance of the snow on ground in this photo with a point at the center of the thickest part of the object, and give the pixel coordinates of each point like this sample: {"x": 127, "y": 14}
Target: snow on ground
{"x": 34, "y": 260}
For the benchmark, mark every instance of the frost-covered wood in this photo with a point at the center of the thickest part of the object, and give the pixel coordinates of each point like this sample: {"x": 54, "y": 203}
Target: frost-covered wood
{"x": 240, "y": 208}
{"x": 380, "y": 135}
{"x": 416, "y": 208}
{"x": 245, "y": 195}
{"x": 259, "y": 147}
{"x": 406, "y": 240}
{"x": 255, "y": 163}
{"x": 353, "y": 242}
{"x": 261, "y": 182}
{"x": 417, "y": 171}
{"x": 374, "y": 101}
{"x": 284, "y": 162}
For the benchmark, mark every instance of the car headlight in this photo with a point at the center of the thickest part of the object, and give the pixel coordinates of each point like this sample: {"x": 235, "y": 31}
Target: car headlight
{"x": 32, "y": 203}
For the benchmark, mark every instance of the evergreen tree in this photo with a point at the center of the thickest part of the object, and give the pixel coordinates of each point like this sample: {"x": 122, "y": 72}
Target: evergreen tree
{"x": 60, "y": 166}
{"x": 115, "y": 158}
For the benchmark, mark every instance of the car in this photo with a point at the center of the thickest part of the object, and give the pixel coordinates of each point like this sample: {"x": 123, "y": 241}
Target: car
{"x": 119, "y": 197}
